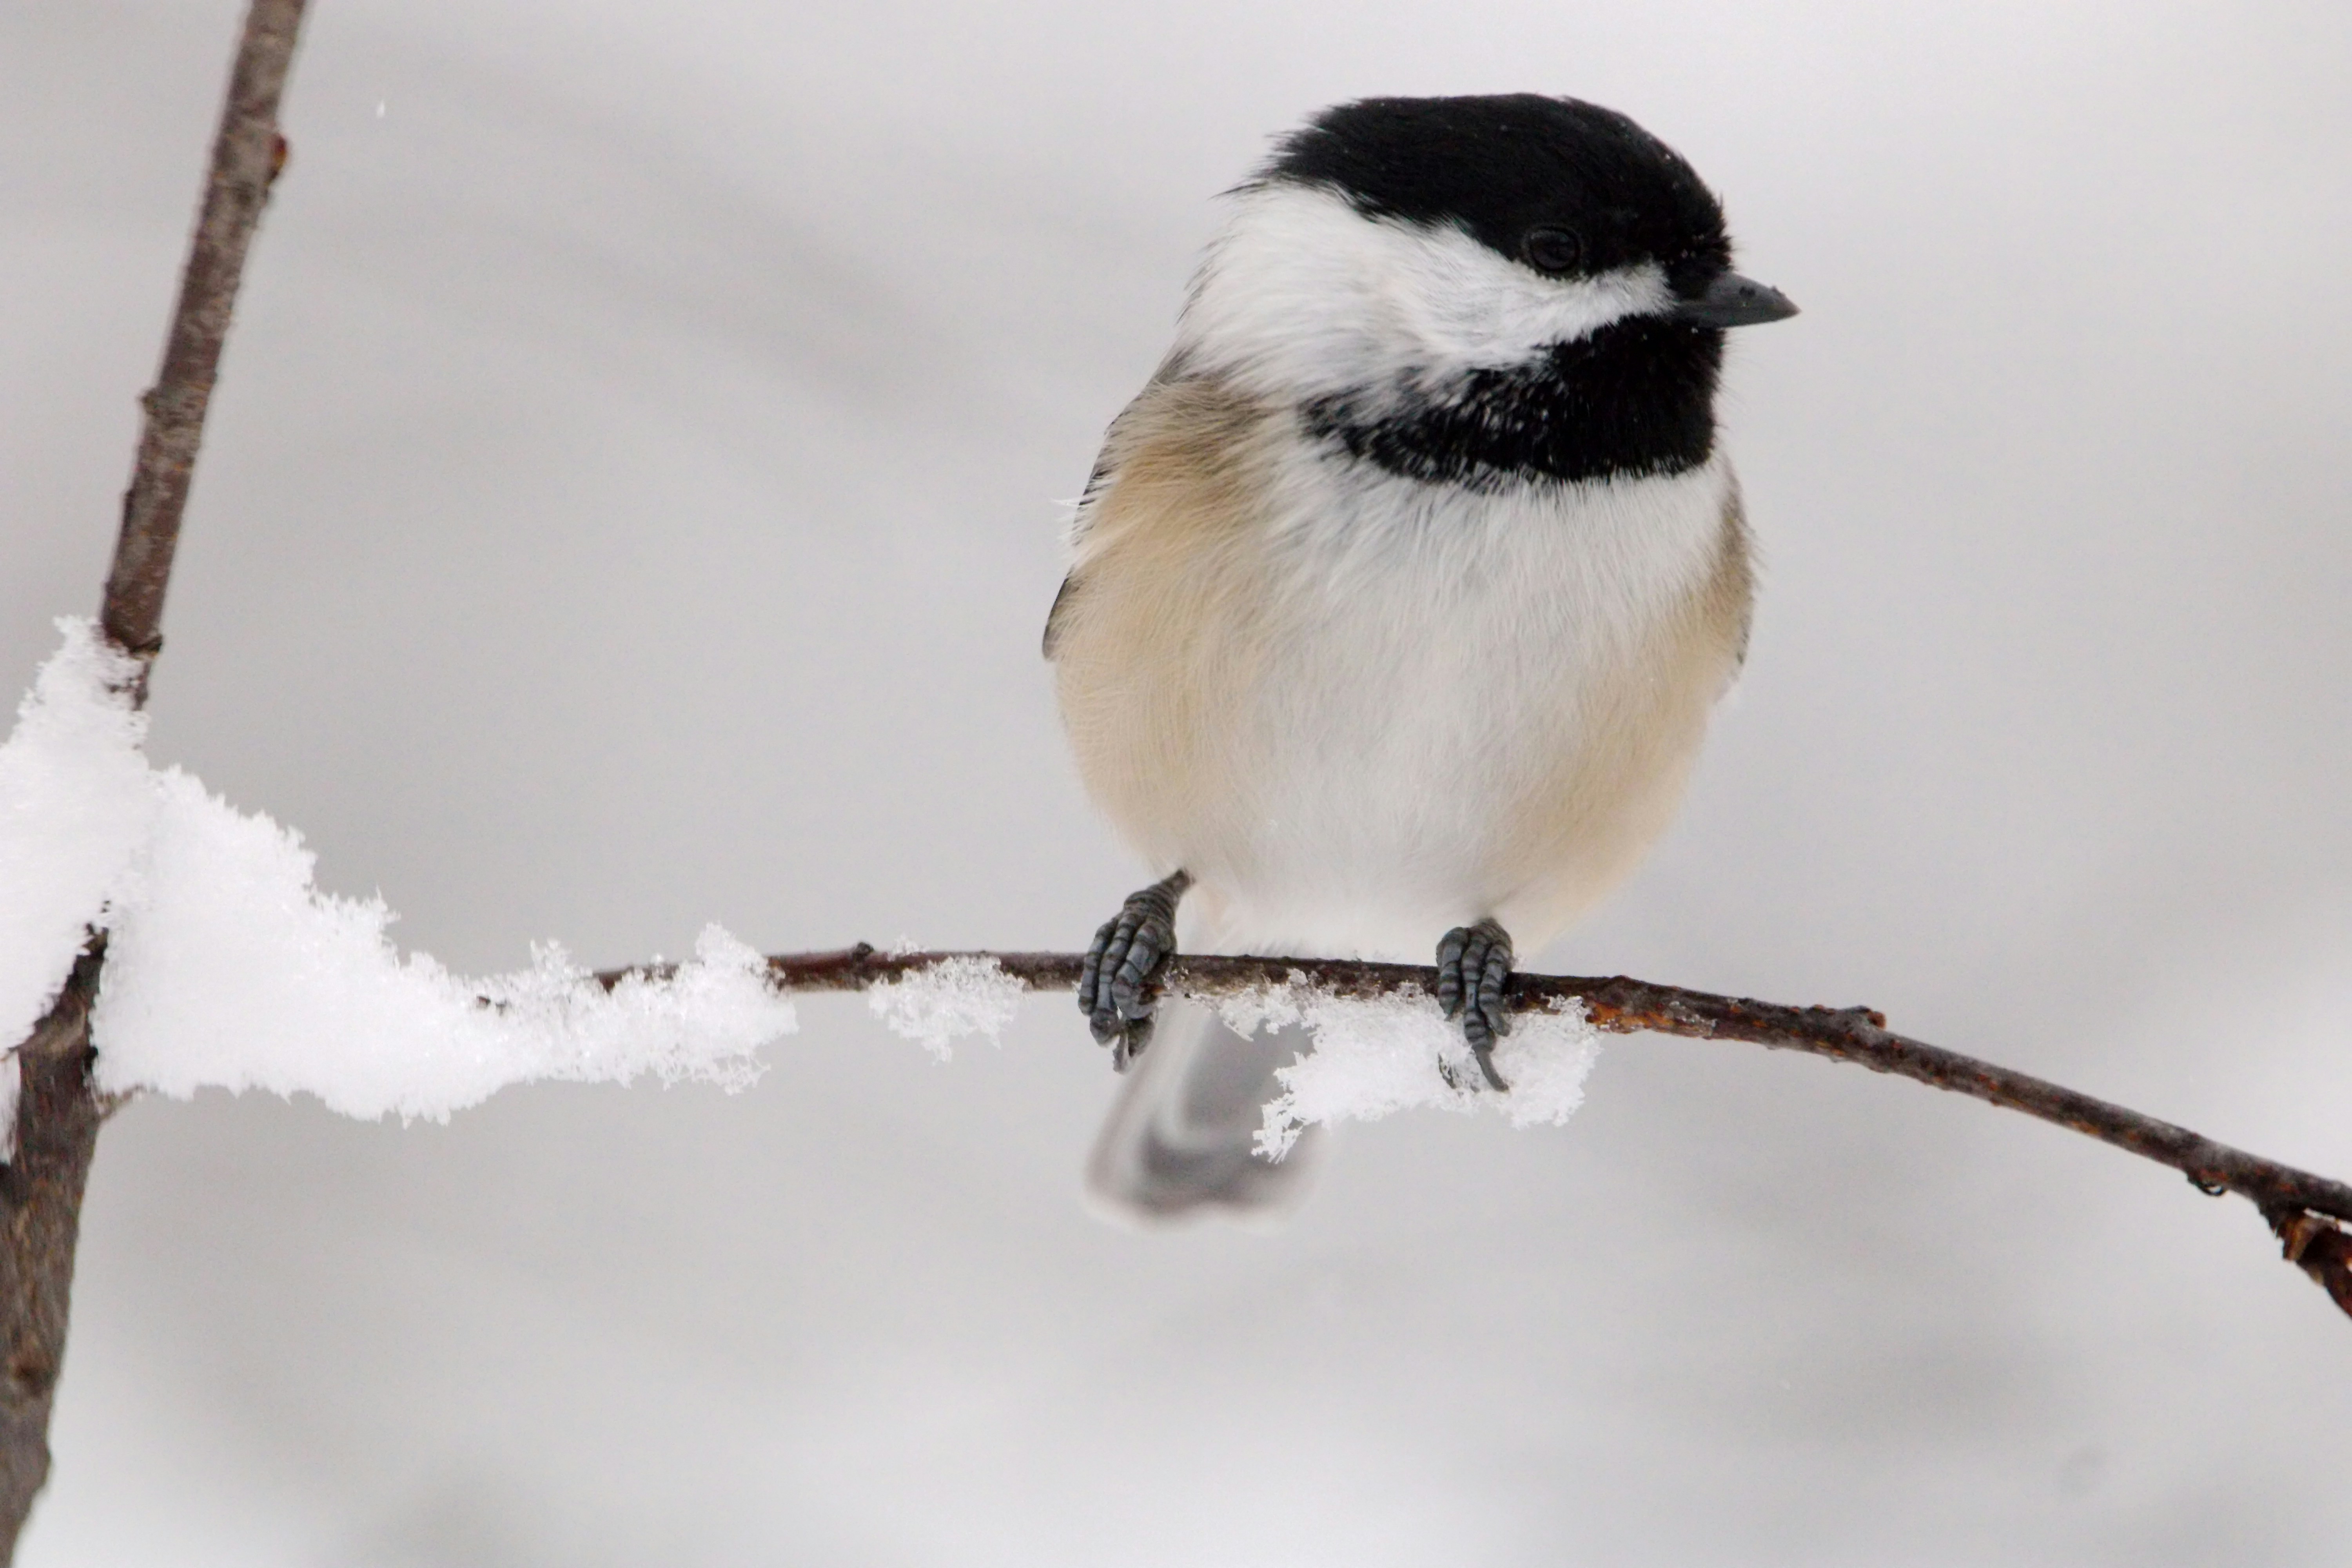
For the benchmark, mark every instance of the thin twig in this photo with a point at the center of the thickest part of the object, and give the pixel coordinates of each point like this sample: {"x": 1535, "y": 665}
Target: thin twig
{"x": 2301, "y": 1207}
{"x": 248, "y": 153}
{"x": 58, "y": 1112}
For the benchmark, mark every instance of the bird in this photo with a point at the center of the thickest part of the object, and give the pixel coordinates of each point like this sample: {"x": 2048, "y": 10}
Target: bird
{"x": 1399, "y": 599}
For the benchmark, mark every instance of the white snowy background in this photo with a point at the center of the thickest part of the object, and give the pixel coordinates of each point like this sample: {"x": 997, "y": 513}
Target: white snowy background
{"x": 630, "y": 503}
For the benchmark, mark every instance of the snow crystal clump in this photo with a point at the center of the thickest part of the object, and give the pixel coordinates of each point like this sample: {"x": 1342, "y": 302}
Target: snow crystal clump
{"x": 74, "y": 806}
{"x": 1377, "y": 1055}
{"x": 226, "y": 968}
{"x": 943, "y": 1002}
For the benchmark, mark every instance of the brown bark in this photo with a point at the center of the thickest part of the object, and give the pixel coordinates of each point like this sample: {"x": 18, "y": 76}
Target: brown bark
{"x": 58, "y": 1112}
{"x": 2300, "y": 1207}
{"x": 41, "y": 1209}
{"x": 248, "y": 153}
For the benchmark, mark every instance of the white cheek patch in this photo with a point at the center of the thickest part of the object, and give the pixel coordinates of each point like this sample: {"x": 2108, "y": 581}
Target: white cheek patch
{"x": 1301, "y": 295}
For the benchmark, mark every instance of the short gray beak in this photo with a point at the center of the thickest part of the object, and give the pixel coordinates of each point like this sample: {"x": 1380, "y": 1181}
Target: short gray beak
{"x": 1732, "y": 300}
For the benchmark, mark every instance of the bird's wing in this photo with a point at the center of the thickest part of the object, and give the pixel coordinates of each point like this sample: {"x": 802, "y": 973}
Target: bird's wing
{"x": 1098, "y": 482}
{"x": 1736, "y": 578}
{"x": 1054, "y": 616}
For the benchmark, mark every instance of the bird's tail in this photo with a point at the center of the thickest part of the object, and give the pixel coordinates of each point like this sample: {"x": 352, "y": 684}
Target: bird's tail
{"x": 1182, "y": 1139}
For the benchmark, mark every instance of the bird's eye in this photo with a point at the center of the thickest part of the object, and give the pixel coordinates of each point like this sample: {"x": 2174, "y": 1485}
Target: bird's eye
{"x": 1549, "y": 249}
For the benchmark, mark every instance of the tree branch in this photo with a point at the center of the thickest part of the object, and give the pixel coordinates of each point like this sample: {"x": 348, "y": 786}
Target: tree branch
{"x": 2304, "y": 1209}
{"x": 58, "y": 1112}
{"x": 248, "y": 153}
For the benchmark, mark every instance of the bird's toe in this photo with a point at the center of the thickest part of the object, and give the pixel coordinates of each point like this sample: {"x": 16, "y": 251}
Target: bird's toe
{"x": 1118, "y": 979}
{"x": 1474, "y": 972}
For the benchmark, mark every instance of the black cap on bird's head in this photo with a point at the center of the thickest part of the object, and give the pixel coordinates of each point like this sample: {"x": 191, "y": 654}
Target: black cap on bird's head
{"x": 1566, "y": 188}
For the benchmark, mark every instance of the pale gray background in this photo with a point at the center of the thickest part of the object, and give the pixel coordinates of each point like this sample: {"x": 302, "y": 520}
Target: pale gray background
{"x": 631, "y": 501}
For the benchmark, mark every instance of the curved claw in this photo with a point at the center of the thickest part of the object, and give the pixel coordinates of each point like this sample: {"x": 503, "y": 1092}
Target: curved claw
{"x": 1116, "y": 988}
{"x": 1473, "y": 966}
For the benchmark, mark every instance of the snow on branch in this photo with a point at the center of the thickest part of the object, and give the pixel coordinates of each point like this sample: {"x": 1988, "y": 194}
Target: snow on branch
{"x": 75, "y": 804}
{"x": 226, "y": 967}
{"x": 1374, "y": 1049}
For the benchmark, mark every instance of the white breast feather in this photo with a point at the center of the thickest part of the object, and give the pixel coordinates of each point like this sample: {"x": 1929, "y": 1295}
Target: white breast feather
{"x": 1436, "y": 652}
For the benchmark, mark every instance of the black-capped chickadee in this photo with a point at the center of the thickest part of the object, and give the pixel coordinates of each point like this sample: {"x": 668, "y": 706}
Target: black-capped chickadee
{"x": 1400, "y": 597}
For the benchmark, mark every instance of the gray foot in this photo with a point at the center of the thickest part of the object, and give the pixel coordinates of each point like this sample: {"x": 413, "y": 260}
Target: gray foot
{"x": 1116, "y": 986}
{"x": 1472, "y": 964}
